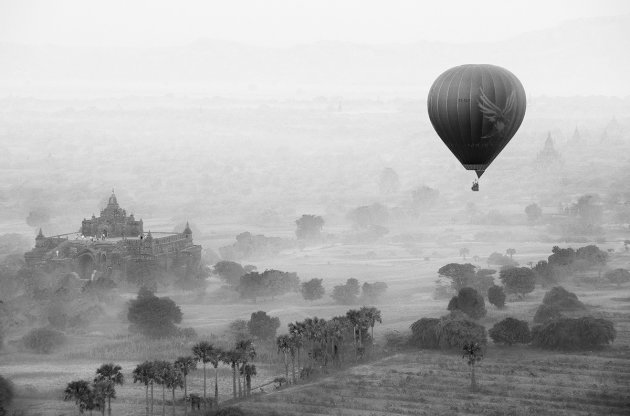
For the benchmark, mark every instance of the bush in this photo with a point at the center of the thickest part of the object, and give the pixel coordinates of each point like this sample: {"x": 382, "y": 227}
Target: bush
{"x": 546, "y": 313}
{"x": 263, "y": 326}
{"x": 313, "y": 289}
{"x": 496, "y": 296}
{"x": 346, "y": 294}
{"x": 562, "y": 299}
{"x": 519, "y": 280}
{"x": 469, "y": 301}
{"x": 372, "y": 292}
{"x": 574, "y": 333}
{"x": 454, "y": 333}
{"x": 450, "y": 331}
{"x": 43, "y": 340}
{"x": 152, "y": 316}
{"x": 394, "y": 340}
{"x": 424, "y": 333}
{"x": 510, "y": 331}
{"x": 6, "y": 395}
{"x": 618, "y": 276}
{"x": 499, "y": 259}
{"x": 229, "y": 271}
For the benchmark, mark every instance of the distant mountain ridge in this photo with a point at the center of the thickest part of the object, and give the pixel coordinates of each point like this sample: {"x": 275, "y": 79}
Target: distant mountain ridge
{"x": 581, "y": 57}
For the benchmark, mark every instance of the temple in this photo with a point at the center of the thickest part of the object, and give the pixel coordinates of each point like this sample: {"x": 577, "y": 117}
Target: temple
{"x": 113, "y": 222}
{"x": 112, "y": 244}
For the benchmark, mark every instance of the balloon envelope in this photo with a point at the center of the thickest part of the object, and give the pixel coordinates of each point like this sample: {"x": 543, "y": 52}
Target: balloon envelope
{"x": 476, "y": 110}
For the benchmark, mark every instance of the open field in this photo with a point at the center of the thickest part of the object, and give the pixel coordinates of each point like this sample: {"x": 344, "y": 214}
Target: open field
{"x": 513, "y": 381}
{"x": 408, "y": 383}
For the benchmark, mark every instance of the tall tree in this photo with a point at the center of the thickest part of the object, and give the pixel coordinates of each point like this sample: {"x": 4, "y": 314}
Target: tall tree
{"x": 248, "y": 371}
{"x": 297, "y": 333}
{"x": 78, "y": 391}
{"x": 309, "y": 227}
{"x": 372, "y": 316}
{"x": 472, "y": 355}
{"x": 110, "y": 373}
{"x": 232, "y": 358}
{"x": 283, "y": 342}
{"x": 215, "y": 357}
{"x": 247, "y": 353}
{"x": 202, "y": 351}
{"x": 185, "y": 365}
{"x": 101, "y": 391}
{"x": 143, "y": 373}
{"x": 162, "y": 370}
{"x": 172, "y": 379}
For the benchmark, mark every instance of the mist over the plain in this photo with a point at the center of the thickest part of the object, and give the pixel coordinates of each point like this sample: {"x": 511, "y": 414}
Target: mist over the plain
{"x": 236, "y": 142}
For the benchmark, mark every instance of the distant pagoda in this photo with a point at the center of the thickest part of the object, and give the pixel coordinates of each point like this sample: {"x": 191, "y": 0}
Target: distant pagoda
{"x": 548, "y": 156}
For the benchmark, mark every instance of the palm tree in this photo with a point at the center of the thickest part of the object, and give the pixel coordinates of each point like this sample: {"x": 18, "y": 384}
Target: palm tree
{"x": 143, "y": 373}
{"x": 80, "y": 392}
{"x": 297, "y": 332}
{"x": 172, "y": 379}
{"x": 510, "y": 252}
{"x": 247, "y": 352}
{"x": 101, "y": 391}
{"x": 372, "y": 316}
{"x": 110, "y": 373}
{"x": 337, "y": 328}
{"x": 232, "y": 358}
{"x": 284, "y": 346}
{"x": 185, "y": 365}
{"x": 354, "y": 318}
{"x": 473, "y": 355}
{"x": 248, "y": 370}
{"x": 215, "y": 358}
{"x": 162, "y": 370}
{"x": 202, "y": 351}
{"x": 296, "y": 344}
{"x": 464, "y": 252}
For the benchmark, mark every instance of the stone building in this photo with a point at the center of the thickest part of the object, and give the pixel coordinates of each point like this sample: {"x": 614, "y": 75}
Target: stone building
{"x": 113, "y": 222}
{"x": 548, "y": 157}
{"x": 112, "y": 244}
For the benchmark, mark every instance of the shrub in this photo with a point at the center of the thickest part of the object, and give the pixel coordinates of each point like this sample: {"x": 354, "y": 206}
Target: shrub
{"x": 499, "y": 259}
{"x": 546, "y": 313}
{"x": 562, "y": 299}
{"x": 519, "y": 280}
{"x": 450, "y": 331}
{"x": 496, "y": 296}
{"x": 510, "y": 331}
{"x": 424, "y": 333}
{"x": 454, "y": 333}
{"x": 372, "y": 292}
{"x": 263, "y": 326}
{"x": 394, "y": 340}
{"x": 154, "y": 317}
{"x": 6, "y": 395}
{"x": 574, "y": 333}
{"x": 346, "y": 294}
{"x": 313, "y": 289}
{"x": 229, "y": 271}
{"x": 618, "y": 276}
{"x": 43, "y": 340}
{"x": 469, "y": 301}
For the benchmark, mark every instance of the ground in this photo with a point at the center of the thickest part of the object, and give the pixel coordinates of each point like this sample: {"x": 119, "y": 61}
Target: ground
{"x": 518, "y": 380}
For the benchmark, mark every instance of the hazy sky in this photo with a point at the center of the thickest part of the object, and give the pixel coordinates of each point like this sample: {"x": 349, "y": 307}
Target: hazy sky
{"x": 283, "y": 22}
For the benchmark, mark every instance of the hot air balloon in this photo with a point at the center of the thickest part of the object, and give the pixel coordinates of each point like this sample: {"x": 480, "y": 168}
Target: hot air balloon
{"x": 476, "y": 110}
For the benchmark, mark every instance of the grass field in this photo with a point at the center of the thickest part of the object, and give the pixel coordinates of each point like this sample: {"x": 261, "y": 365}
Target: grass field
{"x": 514, "y": 381}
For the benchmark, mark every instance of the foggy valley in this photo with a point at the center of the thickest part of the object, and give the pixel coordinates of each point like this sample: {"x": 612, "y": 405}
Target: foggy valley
{"x": 228, "y": 228}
